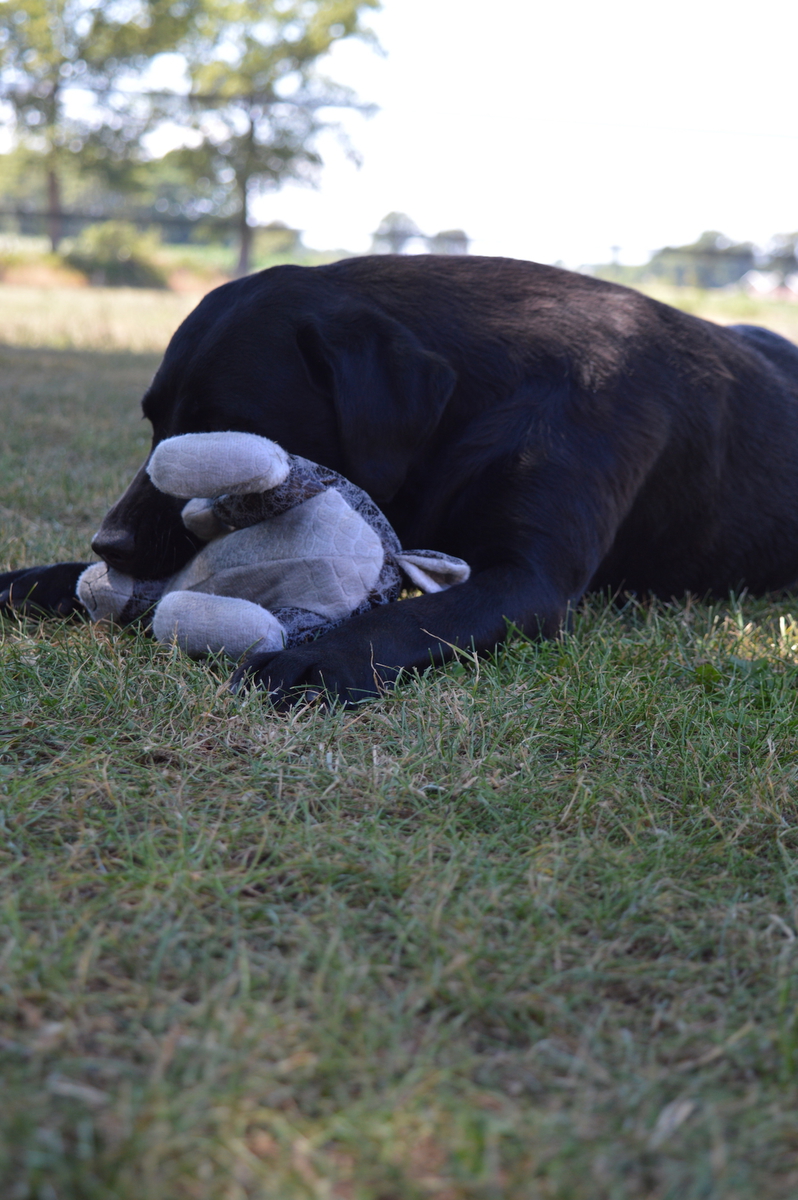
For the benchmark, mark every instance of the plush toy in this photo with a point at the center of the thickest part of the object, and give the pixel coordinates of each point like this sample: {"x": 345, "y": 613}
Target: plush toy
{"x": 293, "y": 549}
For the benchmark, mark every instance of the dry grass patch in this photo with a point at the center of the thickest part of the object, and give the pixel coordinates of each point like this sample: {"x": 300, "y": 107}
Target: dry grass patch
{"x": 107, "y": 319}
{"x": 731, "y": 307}
{"x": 34, "y": 313}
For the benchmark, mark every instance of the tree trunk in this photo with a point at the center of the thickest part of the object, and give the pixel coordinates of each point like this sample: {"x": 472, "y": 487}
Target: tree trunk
{"x": 244, "y": 235}
{"x": 54, "y": 215}
{"x": 243, "y": 174}
{"x": 244, "y": 248}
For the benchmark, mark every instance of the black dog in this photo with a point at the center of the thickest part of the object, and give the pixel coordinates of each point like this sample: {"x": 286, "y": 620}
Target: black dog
{"x": 558, "y": 432}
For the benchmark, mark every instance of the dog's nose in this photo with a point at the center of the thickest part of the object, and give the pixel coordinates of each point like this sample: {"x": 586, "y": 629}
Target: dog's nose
{"x": 115, "y": 546}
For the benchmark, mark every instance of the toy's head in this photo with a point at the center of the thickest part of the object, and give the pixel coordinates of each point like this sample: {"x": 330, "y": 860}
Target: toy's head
{"x": 293, "y": 356}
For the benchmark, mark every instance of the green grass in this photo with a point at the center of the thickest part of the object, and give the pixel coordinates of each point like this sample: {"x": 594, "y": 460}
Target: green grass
{"x": 526, "y": 928}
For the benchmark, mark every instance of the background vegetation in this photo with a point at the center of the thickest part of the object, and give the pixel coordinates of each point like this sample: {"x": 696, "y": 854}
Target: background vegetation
{"x": 526, "y": 928}
{"x": 715, "y": 262}
{"x": 243, "y": 108}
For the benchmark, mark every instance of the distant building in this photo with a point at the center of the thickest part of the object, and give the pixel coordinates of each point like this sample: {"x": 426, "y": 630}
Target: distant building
{"x": 398, "y": 234}
{"x": 394, "y": 234}
{"x": 449, "y": 241}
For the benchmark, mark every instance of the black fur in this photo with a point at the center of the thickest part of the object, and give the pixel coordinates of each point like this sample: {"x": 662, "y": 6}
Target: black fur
{"x": 558, "y": 432}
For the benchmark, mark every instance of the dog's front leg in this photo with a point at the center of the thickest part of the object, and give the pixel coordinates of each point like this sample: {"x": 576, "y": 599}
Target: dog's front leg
{"x": 42, "y": 591}
{"x": 363, "y": 657}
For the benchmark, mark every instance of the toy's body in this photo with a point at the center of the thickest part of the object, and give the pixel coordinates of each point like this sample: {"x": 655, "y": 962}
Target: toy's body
{"x": 293, "y": 549}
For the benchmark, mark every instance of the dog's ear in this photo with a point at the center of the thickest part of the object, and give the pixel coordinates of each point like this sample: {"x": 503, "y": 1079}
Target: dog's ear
{"x": 389, "y": 392}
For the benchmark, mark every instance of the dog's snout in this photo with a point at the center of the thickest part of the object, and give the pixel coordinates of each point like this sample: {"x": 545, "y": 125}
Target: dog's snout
{"x": 114, "y": 546}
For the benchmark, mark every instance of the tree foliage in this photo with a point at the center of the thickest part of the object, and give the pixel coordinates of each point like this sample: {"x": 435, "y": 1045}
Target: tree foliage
{"x": 712, "y": 261}
{"x": 782, "y": 255}
{"x": 253, "y": 111}
{"x": 61, "y": 66}
{"x": 257, "y": 102}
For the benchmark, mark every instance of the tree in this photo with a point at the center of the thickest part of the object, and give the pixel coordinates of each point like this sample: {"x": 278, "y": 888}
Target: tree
{"x": 713, "y": 261}
{"x": 257, "y": 103}
{"x": 61, "y": 66}
{"x": 782, "y": 255}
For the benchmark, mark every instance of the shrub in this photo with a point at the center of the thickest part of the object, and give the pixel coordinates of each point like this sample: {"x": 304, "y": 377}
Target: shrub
{"x": 117, "y": 254}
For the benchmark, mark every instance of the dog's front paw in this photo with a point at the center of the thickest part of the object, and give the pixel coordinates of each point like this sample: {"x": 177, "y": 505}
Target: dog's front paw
{"x": 42, "y": 591}
{"x": 312, "y": 672}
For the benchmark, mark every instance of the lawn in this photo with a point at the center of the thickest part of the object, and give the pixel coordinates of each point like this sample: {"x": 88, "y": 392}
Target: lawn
{"x": 524, "y": 929}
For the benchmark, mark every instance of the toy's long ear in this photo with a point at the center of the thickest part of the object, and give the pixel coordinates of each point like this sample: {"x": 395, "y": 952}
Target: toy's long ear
{"x": 389, "y": 392}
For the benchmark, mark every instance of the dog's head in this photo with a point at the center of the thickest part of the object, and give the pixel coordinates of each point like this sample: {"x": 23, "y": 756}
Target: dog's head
{"x": 290, "y": 356}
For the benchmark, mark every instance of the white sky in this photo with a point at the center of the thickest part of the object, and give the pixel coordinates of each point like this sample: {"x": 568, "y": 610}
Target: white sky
{"x": 556, "y": 129}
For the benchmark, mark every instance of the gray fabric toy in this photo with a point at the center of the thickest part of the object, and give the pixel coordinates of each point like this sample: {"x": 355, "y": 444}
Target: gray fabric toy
{"x": 293, "y": 549}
